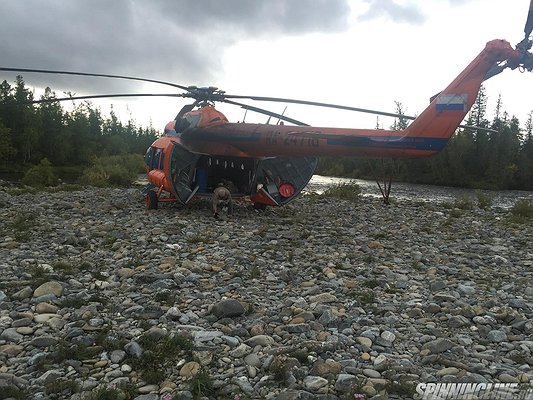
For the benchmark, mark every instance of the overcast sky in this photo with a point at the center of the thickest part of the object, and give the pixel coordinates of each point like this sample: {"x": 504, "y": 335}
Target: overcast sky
{"x": 362, "y": 53}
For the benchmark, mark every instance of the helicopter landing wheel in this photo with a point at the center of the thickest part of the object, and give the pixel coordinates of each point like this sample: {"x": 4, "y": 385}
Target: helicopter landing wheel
{"x": 151, "y": 200}
{"x": 259, "y": 206}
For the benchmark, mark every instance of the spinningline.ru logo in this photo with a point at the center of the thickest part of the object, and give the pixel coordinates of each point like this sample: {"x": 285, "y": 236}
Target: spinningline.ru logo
{"x": 485, "y": 391}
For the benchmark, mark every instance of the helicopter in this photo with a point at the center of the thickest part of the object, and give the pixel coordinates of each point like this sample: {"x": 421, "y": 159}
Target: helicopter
{"x": 270, "y": 164}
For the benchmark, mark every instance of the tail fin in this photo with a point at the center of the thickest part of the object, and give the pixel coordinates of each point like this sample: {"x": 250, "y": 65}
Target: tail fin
{"x": 446, "y": 111}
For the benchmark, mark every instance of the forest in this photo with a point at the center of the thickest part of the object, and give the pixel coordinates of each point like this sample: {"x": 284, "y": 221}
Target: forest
{"x": 68, "y": 141}
{"x": 74, "y": 142}
{"x": 501, "y": 159}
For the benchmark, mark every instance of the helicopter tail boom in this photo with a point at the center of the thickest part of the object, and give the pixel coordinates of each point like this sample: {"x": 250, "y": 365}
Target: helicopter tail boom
{"x": 446, "y": 110}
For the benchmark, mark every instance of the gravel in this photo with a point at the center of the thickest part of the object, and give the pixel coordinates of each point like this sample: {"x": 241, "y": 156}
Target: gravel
{"x": 321, "y": 299}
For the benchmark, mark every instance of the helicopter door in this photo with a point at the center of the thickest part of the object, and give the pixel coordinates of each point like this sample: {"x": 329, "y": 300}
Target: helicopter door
{"x": 182, "y": 166}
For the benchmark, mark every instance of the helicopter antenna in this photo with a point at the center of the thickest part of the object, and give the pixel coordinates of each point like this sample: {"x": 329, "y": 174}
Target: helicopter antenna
{"x": 244, "y": 118}
{"x": 283, "y": 113}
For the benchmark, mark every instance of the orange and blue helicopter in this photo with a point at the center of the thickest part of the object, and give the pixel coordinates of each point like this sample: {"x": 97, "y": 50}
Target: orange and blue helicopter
{"x": 270, "y": 164}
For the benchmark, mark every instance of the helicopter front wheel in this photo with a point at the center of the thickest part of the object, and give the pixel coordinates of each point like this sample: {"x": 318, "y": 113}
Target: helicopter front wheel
{"x": 260, "y": 206}
{"x": 151, "y": 200}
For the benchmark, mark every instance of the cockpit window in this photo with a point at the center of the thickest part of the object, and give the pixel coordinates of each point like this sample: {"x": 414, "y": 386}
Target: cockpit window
{"x": 154, "y": 158}
{"x": 148, "y": 158}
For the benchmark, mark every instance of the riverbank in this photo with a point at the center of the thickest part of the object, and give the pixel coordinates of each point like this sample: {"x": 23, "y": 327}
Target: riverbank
{"x": 321, "y": 299}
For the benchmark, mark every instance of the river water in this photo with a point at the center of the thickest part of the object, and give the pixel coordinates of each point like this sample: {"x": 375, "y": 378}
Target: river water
{"x": 502, "y": 198}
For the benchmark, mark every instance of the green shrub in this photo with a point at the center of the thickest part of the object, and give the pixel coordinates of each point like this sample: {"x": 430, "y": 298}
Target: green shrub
{"x": 484, "y": 200}
{"x": 463, "y": 203}
{"x": 522, "y": 210}
{"x": 201, "y": 384}
{"x": 119, "y": 170}
{"x": 345, "y": 191}
{"x": 40, "y": 175}
{"x": 23, "y": 224}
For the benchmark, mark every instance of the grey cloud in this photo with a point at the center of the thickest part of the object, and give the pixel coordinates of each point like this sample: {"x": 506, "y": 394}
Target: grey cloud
{"x": 408, "y": 13}
{"x": 172, "y": 40}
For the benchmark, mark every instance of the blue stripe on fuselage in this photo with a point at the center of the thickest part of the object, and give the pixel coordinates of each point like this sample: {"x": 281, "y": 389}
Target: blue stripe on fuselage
{"x": 387, "y": 142}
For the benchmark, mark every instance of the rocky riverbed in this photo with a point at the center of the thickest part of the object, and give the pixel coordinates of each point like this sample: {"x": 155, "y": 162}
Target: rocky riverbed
{"x": 322, "y": 299}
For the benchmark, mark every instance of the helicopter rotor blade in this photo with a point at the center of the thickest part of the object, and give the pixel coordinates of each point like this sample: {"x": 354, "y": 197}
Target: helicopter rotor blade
{"x": 244, "y": 106}
{"x": 46, "y": 71}
{"x": 104, "y": 96}
{"x": 266, "y": 112}
{"x": 213, "y": 94}
{"x": 529, "y": 22}
{"x": 318, "y": 104}
{"x": 341, "y": 107}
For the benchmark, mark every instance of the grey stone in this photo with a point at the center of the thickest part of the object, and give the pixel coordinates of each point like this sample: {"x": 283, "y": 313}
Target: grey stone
{"x": 439, "y": 345}
{"x": 49, "y": 288}
{"x": 344, "y": 382}
{"x": 11, "y": 335}
{"x": 228, "y": 308}
{"x": 117, "y": 356}
{"x": 44, "y": 341}
{"x": 497, "y": 336}
{"x": 260, "y": 340}
{"x": 313, "y": 383}
{"x": 133, "y": 349}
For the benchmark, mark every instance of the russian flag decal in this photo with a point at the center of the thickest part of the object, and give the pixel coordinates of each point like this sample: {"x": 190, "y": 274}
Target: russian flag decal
{"x": 451, "y": 102}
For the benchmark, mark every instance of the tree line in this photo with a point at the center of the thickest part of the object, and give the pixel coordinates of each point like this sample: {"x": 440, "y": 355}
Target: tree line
{"x": 501, "y": 159}
{"x": 30, "y": 133}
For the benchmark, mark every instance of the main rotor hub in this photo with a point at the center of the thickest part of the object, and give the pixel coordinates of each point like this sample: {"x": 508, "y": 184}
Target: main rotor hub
{"x": 205, "y": 95}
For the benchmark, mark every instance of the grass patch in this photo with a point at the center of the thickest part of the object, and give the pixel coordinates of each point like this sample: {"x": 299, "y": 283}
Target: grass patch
{"x": 61, "y": 269}
{"x": 456, "y": 213}
{"x": 167, "y": 297}
{"x": 406, "y": 390}
{"x": 255, "y": 272}
{"x": 62, "y": 387}
{"x": 279, "y": 369}
{"x": 371, "y": 283}
{"x": 64, "y": 267}
{"x": 345, "y": 191}
{"x": 22, "y": 225}
{"x": 463, "y": 203}
{"x": 201, "y": 384}
{"x": 73, "y": 302}
{"x": 198, "y": 238}
{"x": 301, "y": 355}
{"x": 110, "y": 340}
{"x": 158, "y": 355}
{"x": 39, "y": 275}
{"x": 105, "y": 394}
{"x": 13, "y": 393}
{"x": 381, "y": 235}
{"x": 108, "y": 241}
{"x": 149, "y": 367}
{"x": 67, "y": 351}
{"x": 519, "y": 358}
{"x": 356, "y": 391}
{"x": 522, "y": 210}
{"x": 484, "y": 200}
{"x": 108, "y": 393}
{"x": 364, "y": 297}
